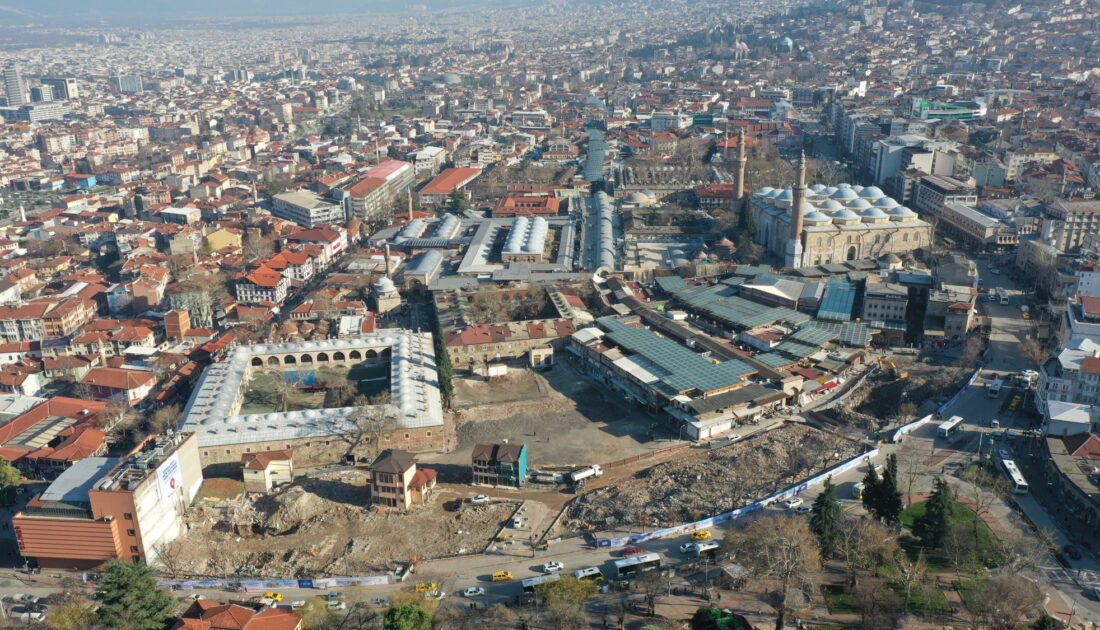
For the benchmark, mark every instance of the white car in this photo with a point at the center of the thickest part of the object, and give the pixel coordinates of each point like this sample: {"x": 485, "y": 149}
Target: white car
{"x": 803, "y": 509}
{"x": 552, "y": 567}
{"x": 337, "y": 605}
{"x": 473, "y": 591}
{"x": 481, "y": 498}
{"x": 689, "y": 547}
{"x": 432, "y": 594}
{"x": 792, "y": 503}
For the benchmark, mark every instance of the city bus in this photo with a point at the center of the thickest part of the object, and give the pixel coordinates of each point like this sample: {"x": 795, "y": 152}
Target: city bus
{"x": 950, "y": 426}
{"x": 1002, "y": 295}
{"x": 1019, "y": 484}
{"x": 995, "y": 387}
{"x": 530, "y": 583}
{"x": 628, "y": 567}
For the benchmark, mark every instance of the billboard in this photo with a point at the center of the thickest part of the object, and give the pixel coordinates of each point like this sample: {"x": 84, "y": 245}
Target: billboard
{"x": 170, "y": 477}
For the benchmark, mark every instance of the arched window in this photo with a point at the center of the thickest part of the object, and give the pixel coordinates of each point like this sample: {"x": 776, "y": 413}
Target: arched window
{"x": 257, "y": 361}
{"x": 307, "y": 359}
{"x": 273, "y": 360}
{"x": 322, "y": 357}
{"x": 289, "y": 360}
{"x": 337, "y": 356}
{"x": 355, "y": 355}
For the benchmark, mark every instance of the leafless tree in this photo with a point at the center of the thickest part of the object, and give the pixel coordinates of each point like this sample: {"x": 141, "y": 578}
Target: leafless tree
{"x": 371, "y": 423}
{"x": 1002, "y": 600}
{"x": 780, "y": 551}
{"x": 878, "y": 604}
{"x": 909, "y": 572}
{"x": 864, "y": 543}
{"x": 1031, "y": 350}
{"x": 164, "y": 419}
{"x": 960, "y": 546}
{"x": 971, "y": 352}
{"x": 910, "y": 468}
{"x": 174, "y": 558}
{"x": 651, "y": 584}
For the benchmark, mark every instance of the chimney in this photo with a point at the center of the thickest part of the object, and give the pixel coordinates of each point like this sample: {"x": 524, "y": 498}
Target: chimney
{"x": 387, "y": 260}
{"x": 798, "y": 197}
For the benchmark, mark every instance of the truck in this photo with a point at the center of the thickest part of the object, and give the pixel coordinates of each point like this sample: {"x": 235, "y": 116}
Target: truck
{"x": 585, "y": 473}
{"x": 995, "y": 388}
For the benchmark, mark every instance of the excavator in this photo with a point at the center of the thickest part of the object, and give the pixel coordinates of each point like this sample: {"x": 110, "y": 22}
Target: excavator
{"x": 893, "y": 368}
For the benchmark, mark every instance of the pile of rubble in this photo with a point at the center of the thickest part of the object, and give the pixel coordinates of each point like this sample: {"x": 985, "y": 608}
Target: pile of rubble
{"x": 320, "y": 527}
{"x": 708, "y": 482}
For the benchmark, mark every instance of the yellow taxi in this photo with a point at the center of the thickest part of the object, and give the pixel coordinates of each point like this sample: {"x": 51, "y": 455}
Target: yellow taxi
{"x": 275, "y": 597}
{"x": 424, "y": 587}
{"x": 500, "y": 576}
{"x": 702, "y": 534}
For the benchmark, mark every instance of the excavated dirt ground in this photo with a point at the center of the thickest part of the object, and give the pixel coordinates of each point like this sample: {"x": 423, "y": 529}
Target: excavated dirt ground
{"x": 319, "y": 526}
{"x": 706, "y": 482}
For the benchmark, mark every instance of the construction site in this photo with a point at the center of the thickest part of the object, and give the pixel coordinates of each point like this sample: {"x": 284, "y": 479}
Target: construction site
{"x": 323, "y": 525}
{"x": 705, "y": 481}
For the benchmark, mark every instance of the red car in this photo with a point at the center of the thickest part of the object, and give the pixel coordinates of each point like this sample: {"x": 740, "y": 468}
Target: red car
{"x": 630, "y": 551}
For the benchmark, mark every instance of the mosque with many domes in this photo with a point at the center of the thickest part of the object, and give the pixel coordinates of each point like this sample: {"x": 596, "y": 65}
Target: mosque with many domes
{"x": 834, "y": 223}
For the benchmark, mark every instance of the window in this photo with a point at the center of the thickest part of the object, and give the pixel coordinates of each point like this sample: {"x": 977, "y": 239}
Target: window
{"x": 226, "y": 451}
{"x": 133, "y": 549}
{"x": 407, "y": 436}
{"x": 387, "y": 437}
{"x": 206, "y": 453}
{"x": 128, "y": 516}
{"x": 131, "y": 532}
{"x": 429, "y": 434}
{"x": 135, "y": 559}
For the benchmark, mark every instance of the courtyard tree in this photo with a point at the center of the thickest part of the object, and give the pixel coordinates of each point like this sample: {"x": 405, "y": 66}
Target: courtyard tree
{"x": 909, "y": 572}
{"x": 458, "y": 201}
{"x": 443, "y": 368}
{"x": 932, "y": 526}
{"x": 130, "y": 598}
{"x": 825, "y": 519}
{"x": 371, "y": 422}
{"x": 779, "y": 551}
{"x": 10, "y": 478}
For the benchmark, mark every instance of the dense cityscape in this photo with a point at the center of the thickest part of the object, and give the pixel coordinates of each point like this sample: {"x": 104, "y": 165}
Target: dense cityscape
{"x": 550, "y": 315}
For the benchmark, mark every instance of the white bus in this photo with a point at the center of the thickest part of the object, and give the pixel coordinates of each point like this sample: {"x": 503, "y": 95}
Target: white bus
{"x": 1002, "y": 295}
{"x": 591, "y": 573}
{"x": 530, "y": 583}
{"x": 1019, "y": 484}
{"x": 950, "y": 426}
{"x": 995, "y": 387}
{"x": 633, "y": 565}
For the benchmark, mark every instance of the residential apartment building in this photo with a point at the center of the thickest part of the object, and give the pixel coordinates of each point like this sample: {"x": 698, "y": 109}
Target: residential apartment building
{"x": 368, "y": 199}
{"x": 1072, "y": 374}
{"x": 128, "y": 387}
{"x": 499, "y": 464}
{"x": 1015, "y": 161}
{"x": 438, "y": 191}
{"x": 307, "y": 209}
{"x": 1066, "y": 223}
{"x": 262, "y": 286}
{"x": 104, "y": 508}
{"x": 395, "y": 480}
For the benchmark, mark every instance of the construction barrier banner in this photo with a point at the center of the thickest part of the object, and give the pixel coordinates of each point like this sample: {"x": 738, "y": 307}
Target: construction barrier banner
{"x": 739, "y": 512}
{"x": 272, "y": 585}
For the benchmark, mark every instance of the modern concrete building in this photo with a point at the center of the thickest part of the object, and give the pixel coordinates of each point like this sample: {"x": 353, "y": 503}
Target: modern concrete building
{"x": 307, "y": 209}
{"x": 15, "y": 91}
{"x": 499, "y": 464}
{"x": 104, "y": 507}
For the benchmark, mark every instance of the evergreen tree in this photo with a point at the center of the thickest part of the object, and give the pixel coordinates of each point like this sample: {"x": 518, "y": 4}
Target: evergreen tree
{"x": 131, "y": 598}
{"x": 10, "y": 478}
{"x": 932, "y": 526}
{"x": 705, "y": 618}
{"x": 871, "y": 487}
{"x": 889, "y": 496}
{"x": 443, "y": 368}
{"x": 407, "y": 617}
{"x": 825, "y": 519}
{"x": 746, "y": 222}
{"x": 458, "y": 202}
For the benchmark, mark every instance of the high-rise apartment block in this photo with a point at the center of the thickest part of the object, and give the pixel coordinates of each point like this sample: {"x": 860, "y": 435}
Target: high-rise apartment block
{"x": 14, "y": 89}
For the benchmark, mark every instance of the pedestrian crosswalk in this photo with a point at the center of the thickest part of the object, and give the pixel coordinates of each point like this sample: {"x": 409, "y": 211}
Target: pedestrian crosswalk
{"x": 1085, "y": 577}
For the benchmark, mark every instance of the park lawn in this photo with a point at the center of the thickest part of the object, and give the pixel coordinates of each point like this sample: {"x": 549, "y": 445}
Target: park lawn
{"x": 220, "y": 488}
{"x": 928, "y": 600}
{"x": 962, "y": 516}
{"x": 840, "y": 601}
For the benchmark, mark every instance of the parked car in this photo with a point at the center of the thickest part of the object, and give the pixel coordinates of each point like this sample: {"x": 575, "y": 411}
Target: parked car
{"x": 334, "y": 595}
{"x": 803, "y": 509}
{"x": 630, "y": 551}
{"x": 424, "y": 587}
{"x": 337, "y": 605}
{"x": 474, "y": 591}
{"x": 196, "y": 596}
{"x": 793, "y": 502}
{"x": 379, "y": 602}
{"x": 481, "y": 498}
{"x": 552, "y": 567}
{"x": 689, "y": 547}
{"x": 702, "y": 534}
{"x": 501, "y": 576}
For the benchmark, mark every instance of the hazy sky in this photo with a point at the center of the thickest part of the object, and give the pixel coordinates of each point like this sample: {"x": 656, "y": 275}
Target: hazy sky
{"x": 191, "y": 8}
